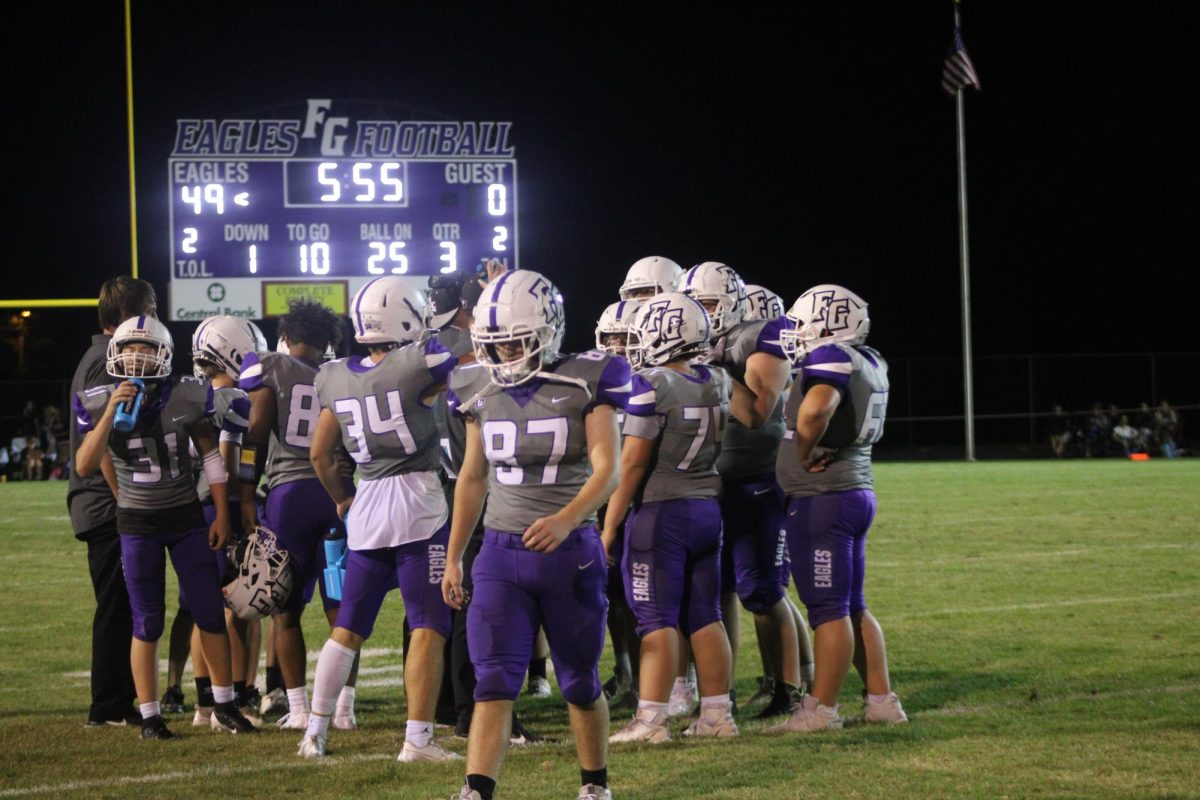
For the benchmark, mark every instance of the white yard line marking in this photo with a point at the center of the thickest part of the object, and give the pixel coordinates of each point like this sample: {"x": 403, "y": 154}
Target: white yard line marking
{"x": 207, "y": 772}
{"x": 1084, "y": 601}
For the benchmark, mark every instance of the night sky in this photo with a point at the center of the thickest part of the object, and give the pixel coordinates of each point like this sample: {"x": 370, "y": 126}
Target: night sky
{"x": 800, "y": 146}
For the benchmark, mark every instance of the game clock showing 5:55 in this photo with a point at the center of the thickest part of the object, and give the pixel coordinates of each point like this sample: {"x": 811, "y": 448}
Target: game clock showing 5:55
{"x": 324, "y": 197}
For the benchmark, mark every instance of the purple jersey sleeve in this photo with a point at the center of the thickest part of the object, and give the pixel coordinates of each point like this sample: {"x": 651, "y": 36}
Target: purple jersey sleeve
{"x": 453, "y": 403}
{"x": 237, "y": 416}
{"x": 614, "y": 385}
{"x": 768, "y": 338}
{"x": 641, "y": 413}
{"x": 827, "y": 364}
{"x": 83, "y": 420}
{"x": 210, "y": 396}
{"x": 252, "y": 373}
{"x": 439, "y": 360}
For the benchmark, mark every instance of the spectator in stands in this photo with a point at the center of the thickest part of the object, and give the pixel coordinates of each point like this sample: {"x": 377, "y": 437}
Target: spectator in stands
{"x": 1144, "y": 422}
{"x": 1060, "y": 431}
{"x": 93, "y": 509}
{"x": 1166, "y": 429}
{"x": 1099, "y": 432}
{"x": 1127, "y": 437}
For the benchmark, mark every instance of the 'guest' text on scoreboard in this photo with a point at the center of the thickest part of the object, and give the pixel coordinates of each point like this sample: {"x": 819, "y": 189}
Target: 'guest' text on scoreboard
{"x": 262, "y": 210}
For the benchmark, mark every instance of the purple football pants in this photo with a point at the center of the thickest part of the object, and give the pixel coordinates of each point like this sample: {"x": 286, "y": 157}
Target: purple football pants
{"x": 754, "y": 559}
{"x": 417, "y": 567}
{"x": 300, "y": 514}
{"x": 672, "y": 564}
{"x": 518, "y": 590}
{"x": 143, "y": 558}
{"x": 827, "y": 537}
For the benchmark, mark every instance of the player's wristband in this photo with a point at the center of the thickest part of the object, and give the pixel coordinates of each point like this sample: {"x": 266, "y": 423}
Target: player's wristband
{"x": 247, "y": 465}
{"x": 214, "y": 468}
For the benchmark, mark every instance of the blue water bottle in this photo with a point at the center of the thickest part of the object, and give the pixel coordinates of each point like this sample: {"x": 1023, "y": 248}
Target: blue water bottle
{"x": 335, "y": 563}
{"x": 127, "y": 412}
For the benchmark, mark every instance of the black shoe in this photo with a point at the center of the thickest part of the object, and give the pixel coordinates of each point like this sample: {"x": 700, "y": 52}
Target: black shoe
{"x": 521, "y": 735}
{"x": 765, "y": 692}
{"x": 733, "y": 708}
{"x": 130, "y": 717}
{"x": 625, "y": 702}
{"x": 782, "y": 702}
{"x": 156, "y": 728}
{"x": 231, "y": 720}
{"x": 462, "y": 726}
{"x": 250, "y": 697}
{"x": 172, "y": 700}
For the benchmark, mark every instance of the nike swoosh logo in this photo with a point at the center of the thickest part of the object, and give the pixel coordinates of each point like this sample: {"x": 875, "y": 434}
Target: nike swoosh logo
{"x": 176, "y": 419}
{"x": 757, "y": 492}
{"x": 588, "y": 564}
{"x": 558, "y": 399}
{"x": 793, "y": 513}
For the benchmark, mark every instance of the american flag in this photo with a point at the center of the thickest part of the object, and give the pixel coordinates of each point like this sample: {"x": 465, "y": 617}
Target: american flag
{"x": 957, "y": 70}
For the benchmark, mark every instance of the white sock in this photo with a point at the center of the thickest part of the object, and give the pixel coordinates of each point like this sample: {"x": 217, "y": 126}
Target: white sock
{"x": 345, "y": 701}
{"x": 298, "y": 700}
{"x": 333, "y": 668}
{"x": 652, "y": 712}
{"x": 318, "y": 724}
{"x": 680, "y": 685}
{"x": 150, "y": 710}
{"x": 877, "y": 698}
{"x": 222, "y": 694}
{"x": 418, "y": 732}
{"x": 715, "y": 707}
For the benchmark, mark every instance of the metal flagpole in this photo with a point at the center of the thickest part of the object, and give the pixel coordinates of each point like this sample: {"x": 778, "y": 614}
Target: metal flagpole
{"x": 964, "y": 259}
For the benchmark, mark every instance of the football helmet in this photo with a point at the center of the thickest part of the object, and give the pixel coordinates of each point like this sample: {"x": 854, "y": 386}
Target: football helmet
{"x": 259, "y": 581}
{"x": 668, "y": 327}
{"x": 719, "y": 283}
{"x": 651, "y": 273}
{"x": 225, "y": 341}
{"x": 140, "y": 330}
{"x": 519, "y": 309}
{"x": 823, "y": 315}
{"x": 615, "y": 321}
{"x": 387, "y": 310}
{"x": 762, "y": 304}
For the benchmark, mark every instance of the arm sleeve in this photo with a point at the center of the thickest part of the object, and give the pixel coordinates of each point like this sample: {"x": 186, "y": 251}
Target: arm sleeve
{"x": 829, "y": 364}
{"x": 768, "y": 338}
{"x": 641, "y": 414}
{"x": 439, "y": 361}
{"x": 615, "y": 384}
{"x": 252, "y": 373}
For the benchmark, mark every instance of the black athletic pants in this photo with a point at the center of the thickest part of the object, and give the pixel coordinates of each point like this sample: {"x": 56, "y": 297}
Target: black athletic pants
{"x": 112, "y": 626}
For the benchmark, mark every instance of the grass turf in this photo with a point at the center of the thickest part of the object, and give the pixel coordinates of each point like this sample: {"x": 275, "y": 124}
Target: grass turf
{"x": 1041, "y": 621}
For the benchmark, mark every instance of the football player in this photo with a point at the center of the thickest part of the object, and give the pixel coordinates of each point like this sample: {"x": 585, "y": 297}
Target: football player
{"x": 650, "y": 276}
{"x": 672, "y": 548}
{"x": 378, "y": 408}
{"x": 762, "y": 304}
{"x": 614, "y": 335}
{"x": 157, "y": 507}
{"x": 834, "y": 415}
{"x": 754, "y": 557}
{"x": 219, "y": 346}
{"x": 542, "y": 447}
{"x": 284, "y": 409}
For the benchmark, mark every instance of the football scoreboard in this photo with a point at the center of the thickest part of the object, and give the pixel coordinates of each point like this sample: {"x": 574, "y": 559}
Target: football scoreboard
{"x": 316, "y": 205}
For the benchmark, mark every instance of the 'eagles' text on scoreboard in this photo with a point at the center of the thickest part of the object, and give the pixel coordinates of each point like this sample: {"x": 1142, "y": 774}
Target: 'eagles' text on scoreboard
{"x": 266, "y": 209}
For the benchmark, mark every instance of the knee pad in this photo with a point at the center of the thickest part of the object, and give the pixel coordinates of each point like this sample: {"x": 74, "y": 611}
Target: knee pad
{"x": 148, "y": 629}
{"x": 493, "y": 682}
{"x": 760, "y": 599}
{"x": 826, "y": 610}
{"x": 579, "y": 690}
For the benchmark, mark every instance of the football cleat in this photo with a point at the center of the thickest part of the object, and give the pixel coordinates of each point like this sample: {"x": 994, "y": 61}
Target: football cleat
{"x": 684, "y": 699}
{"x": 887, "y": 712}
{"x": 294, "y": 721}
{"x": 809, "y": 716}
{"x": 765, "y": 692}
{"x": 312, "y": 746}
{"x": 784, "y": 700}
{"x": 590, "y": 791}
{"x": 639, "y": 729}
{"x": 156, "y": 728}
{"x": 520, "y": 735}
{"x": 625, "y": 702}
{"x": 172, "y": 700}
{"x": 231, "y": 721}
{"x": 203, "y": 717}
{"x": 718, "y": 725}
{"x": 275, "y": 702}
{"x": 344, "y": 720}
{"x": 538, "y": 687}
{"x": 466, "y": 793}
{"x": 430, "y": 752}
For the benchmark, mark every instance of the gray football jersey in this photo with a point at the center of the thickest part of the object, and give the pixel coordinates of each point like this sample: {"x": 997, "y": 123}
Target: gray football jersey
{"x": 296, "y": 411}
{"x": 860, "y": 374}
{"x": 231, "y": 412}
{"x": 153, "y": 463}
{"x": 749, "y": 452}
{"x": 687, "y": 415}
{"x": 452, "y": 431}
{"x": 386, "y": 428}
{"x": 534, "y": 436}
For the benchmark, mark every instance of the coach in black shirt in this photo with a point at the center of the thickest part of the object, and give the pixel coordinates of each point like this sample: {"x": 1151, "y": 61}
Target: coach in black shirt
{"x": 92, "y": 505}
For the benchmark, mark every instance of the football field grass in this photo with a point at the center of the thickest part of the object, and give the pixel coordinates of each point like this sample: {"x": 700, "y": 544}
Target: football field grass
{"x": 1043, "y": 625}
